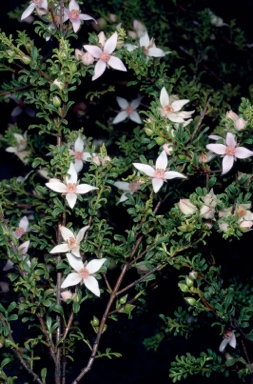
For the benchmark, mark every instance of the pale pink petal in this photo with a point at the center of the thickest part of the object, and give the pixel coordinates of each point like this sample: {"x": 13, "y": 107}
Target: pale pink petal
{"x": 66, "y": 233}
{"x": 227, "y": 163}
{"x": 157, "y": 184}
{"x": 123, "y": 103}
{"x": 44, "y": 4}
{"x": 116, "y": 63}
{"x": 164, "y": 98}
{"x": 84, "y": 188}
{"x": 156, "y": 52}
{"x": 215, "y": 137}
{"x": 99, "y": 69}
{"x": 147, "y": 169}
{"x": 4, "y": 286}
{"x": 91, "y": 283}
{"x": 111, "y": 43}
{"x": 134, "y": 116}
{"x": 57, "y": 186}
{"x": 176, "y": 118}
{"x": 24, "y": 223}
{"x": 16, "y": 111}
{"x": 242, "y": 153}
{"x": 28, "y": 11}
{"x": 8, "y": 266}
{"x": 81, "y": 233}
{"x": 123, "y": 197}
{"x": 220, "y": 149}
{"x": 232, "y": 340}
{"x": 172, "y": 174}
{"x": 144, "y": 40}
{"x": 121, "y": 116}
{"x": 60, "y": 248}
{"x": 123, "y": 185}
{"x": 78, "y": 164}
{"x": 75, "y": 263}
{"x": 84, "y": 16}
{"x": 76, "y": 251}
{"x": 135, "y": 103}
{"x": 95, "y": 265}
{"x": 71, "y": 199}
{"x": 94, "y": 50}
{"x": 223, "y": 344}
{"x": 230, "y": 140}
{"x": 24, "y": 247}
{"x": 162, "y": 161}
{"x": 11, "y": 149}
{"x": 178, "y": 104}
{"x": 130, "y": 47}
{"x": 72, "y": 279}
{"x": 76, "y": 24}
{"x": 71, "y": 177}
{"x": 73, "y": 5}
{"x": 79, "y": 144}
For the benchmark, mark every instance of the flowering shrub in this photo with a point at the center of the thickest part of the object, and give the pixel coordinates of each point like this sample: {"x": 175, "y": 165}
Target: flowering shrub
{"x": 110, "y": 203}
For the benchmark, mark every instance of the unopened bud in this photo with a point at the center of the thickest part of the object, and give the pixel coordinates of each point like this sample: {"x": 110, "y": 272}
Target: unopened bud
{"x": 148, "y": 131}
{"x": 160, "y": 140}
{"x": 95, "y": 322}
{"x": 190, "y": 300}
{"x": 56, "y": 101}
{"x": 189, "y": 281}
{"x": 87, "y": 58}
{"x": 26, "y": 60}
{"x": 186, "y": 207}
{"x": 183, "y": 287}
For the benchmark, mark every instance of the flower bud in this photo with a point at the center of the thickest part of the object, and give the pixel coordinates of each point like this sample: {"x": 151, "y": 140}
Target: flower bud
{"x": 148, "y": 131}
{"x": 183, "y": 287}
{"x": 160, "y": 140}
{"x": 78, "y": 54}
{"x": 73, "y": 68}
{"x": 66, "y": 295}
{"x": 56, "y": 101}
{"x": 186, "y": 228}
{"x": 245, "y": 225}
{"x": 186, "y": 207}
{"x": 189, "y": 281}
{"x": 26, "y": 59}
{"x": 190, "y": 300}
{"x": 59, "y": 84}
{"x": 87, "y": 58}
{"x": 95, "y": 322}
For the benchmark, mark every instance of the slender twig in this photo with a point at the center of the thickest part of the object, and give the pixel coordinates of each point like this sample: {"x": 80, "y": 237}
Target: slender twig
{"x": 202, "y": 115}
{"x": 48, "y": 340}
{"x": 19, "y": 354}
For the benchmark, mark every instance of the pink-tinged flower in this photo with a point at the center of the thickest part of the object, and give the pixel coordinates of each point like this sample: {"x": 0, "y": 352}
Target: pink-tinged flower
{"x": 243, "y": 212}
{"x": 71, "y": 188}
{"x": 72, "y": 241}
{"x": 149, "y": 46}
{"x": 128, "y": 110}
{"x": 229, "y": 151}
{"x": 105, "y": 57}
{"x": 158, "y": 174}
{"x": 239, "y": 122}
{"x": 22, "y": 228}
{"x": 171, "y": 107}
{"x": 205, "y": 157}
{"x": 131, "y": 187}
{"x": 40, "y": 6}
{"x": 24, "y": 249}
{"x": 168, "y": 148}
{"x": 186, "y": 207}
{"x": 80, "y": 156}
{"x": 83, "y": 273}
{"x": 20, "y": 149}
{"x": 75, "y": 16}
{"x": 245, "y": 226}
{"x": 139, "y": 29}
{"x": 229, "y": 339}
{"x": 66, "y": 295}
{"x": 99, "y": 160}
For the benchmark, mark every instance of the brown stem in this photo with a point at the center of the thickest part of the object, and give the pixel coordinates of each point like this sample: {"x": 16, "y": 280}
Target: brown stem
{"x": 202, "y": 115}
{"x": 48, "y": 340}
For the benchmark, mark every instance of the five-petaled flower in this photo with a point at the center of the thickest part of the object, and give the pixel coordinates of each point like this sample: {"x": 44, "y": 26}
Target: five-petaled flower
{"x": 80, "y": 155}
{"x": 158, "y": 174}
{"x": 75, "y": 16}
{"x": 72, "y": 241}
{"x": 128, "y": 110}
{"x": 71, "y": 188}
{"x": 41, "y": 7}
{"x": 149, "y": 46}
{"x": 171, "y": 107}
{"x": 229, "y": 151}
{"x": 83, "y": 273}
{"x": 105, "y": 57}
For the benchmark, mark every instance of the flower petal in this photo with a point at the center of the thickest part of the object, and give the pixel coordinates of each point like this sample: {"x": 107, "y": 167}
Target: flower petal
{"x": 230, "y": 140}
{"x": 91, "y": 283}
{"x": 121, "y": 116}
{"x": 72, "y": 279}
{"x": 57, "y": 186}
{"x": 123, "y": 185}
{"x": 144, "y": 40}
{"x": 157, "y": 184}
{"x": 84, "y": 188}
{"x": 71, "y": 199}
{"x": 134, "y": 116}
{"x": 24, "y": 223}
{"x": 79, "y": 143}
{"x": 178, "y": 104}
{"x": 123, "y": 103}
{"x": 242, "y": 153}
{"x": 111, "y": 43}
{"x": 94, "y": 50}
{"x": 172, "y": 174}
{"x": 28, "y": 11}
{"x": 155, "y": 52}
{"x": 75, "y": 263}
{"x": 71, "y": 177}
{"x": 116, "y": 63}
{"x": 147, "y": 169}
{"x": 95, "y": 265}
{"x": 164, "y": 97}
{"x": 162, "y": 161}
{"x": 81, "y": 233}
{"x": 99, "y": 69}
{"x": 66, "y": 233}
{"x": 60, "y": 248}
{"x": 220, "y": 149}
{"x": 227, "y": 163}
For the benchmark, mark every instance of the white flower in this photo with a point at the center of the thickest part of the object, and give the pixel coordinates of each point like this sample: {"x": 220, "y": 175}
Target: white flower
{"x": 83, "y": 273}
{"x": 24, "y": 249}
{"x": 40, "y": 6}
{"x": 105, "y": 57}
{"x": 239, "y": 122}
{"x": 229, "y": 339}
{"x": 72, "y": 241}
{"x": 158, "y": 174}
{"x": 171, "y": 107}
{"x": 22, "y": 227}
{"x": 75, "y": 16}
{"x": 186, "y": 207}
{"x": 128, "y": 110}
{"x": 80, "y": 155}
{"x": 229, "y": 151}
{"x": 20, "y": 149}
{"x": 71, "y": 187}
{"x": 131, "y": 187}
{"x": 139, "y": 29}
{"x": 149, "y": 46}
